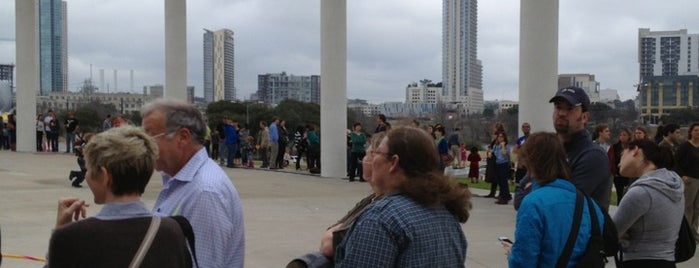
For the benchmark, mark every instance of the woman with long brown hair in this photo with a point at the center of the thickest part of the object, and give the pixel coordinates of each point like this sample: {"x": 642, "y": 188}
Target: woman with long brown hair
{"x": 415, "y": 223}
{"x": 614, "y": 154}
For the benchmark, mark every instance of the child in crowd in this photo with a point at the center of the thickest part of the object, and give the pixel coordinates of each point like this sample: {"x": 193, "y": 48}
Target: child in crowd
{"x": 248, "y": 150}
{"x": 474, "y": 158}
{"x": 462, "y": 150}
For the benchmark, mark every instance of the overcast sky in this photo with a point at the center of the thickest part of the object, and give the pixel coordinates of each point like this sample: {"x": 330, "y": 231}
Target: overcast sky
{"x": 390, "y": 42}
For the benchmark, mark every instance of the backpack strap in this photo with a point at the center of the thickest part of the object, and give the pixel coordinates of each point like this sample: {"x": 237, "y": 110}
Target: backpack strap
{"x": 577, "y": 218}
{"x": 593, "y": 217}
{"x": 188, "y": 233}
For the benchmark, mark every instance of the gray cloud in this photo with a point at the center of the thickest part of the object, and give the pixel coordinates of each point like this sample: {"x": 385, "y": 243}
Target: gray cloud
{"x": 390, "y": 42}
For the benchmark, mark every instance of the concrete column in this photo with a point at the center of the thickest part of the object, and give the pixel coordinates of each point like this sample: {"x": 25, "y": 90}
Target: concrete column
{"x": 27, "y": 73}
{"x": 538, "y": 62}
{"x": 333, "y": 88}
{"x": 176, "y": 49}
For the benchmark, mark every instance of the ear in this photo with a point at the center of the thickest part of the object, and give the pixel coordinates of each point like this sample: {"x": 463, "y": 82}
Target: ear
{"x": 183, "y": 135}
{"x": 106, "y": 177}
{"x": 395, "y": 163}
{"x": 586, "y": 116}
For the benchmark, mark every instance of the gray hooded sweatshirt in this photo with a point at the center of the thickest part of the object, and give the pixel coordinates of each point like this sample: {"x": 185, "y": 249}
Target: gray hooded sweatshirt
{"x": 649, "y": 216}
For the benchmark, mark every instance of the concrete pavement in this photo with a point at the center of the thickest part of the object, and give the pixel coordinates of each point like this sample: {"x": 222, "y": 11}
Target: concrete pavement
{"x": 285, "y": 213}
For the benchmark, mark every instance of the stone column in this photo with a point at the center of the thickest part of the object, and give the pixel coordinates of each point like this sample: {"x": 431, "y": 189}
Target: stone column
{"x": 538, "y": 62}
{"x": 27, "y": 73}
{"x": 333, "y": 88}
{"x": 175, "y": 49}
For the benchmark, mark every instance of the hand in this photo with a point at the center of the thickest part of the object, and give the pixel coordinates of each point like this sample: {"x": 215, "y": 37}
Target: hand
{"x": 507, "y": 247}
{"x": 326, "y": 243}
{"x": 685, "y": 179}
{"x": 502, "y": 144}
{"x": 70, "y": 208}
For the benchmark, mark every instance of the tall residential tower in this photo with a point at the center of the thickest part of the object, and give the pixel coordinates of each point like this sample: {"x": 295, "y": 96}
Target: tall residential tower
{"x": 53, "y": 46}
{"x": 668, "y": 72}
{"x": 219, "y": 65}
{"x": 462, "y": 72}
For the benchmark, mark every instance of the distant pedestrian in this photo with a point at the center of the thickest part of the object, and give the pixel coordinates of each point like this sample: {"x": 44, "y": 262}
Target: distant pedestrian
{"x": 301, "y": 144}
{"x": 72, "y": 126}
{"x": 358, "y": 141}
{"x": 640, "y": 133}
{"x": 12, "y": 131}
{"x": 614, "y": 155}
{"x": 474, "y": 160}
{"x": 273, "y": 143}
{"x": 382, "y": 124}
{"x": 107, "y": 123}
{"x": 455, "y": 147}
{"x": 40, "y": 131}
{"x": 521, "y": 170}
{"x": 263, "y": 144}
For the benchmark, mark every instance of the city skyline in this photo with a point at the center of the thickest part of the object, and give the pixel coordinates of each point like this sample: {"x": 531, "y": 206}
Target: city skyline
{"x": 390, "y": 43}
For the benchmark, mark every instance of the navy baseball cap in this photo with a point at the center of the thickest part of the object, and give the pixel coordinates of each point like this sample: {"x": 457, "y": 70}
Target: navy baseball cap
{"x": 574, "y": 95}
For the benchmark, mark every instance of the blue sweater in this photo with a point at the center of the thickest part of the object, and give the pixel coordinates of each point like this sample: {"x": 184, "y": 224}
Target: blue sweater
{"x": 543, "y": 224}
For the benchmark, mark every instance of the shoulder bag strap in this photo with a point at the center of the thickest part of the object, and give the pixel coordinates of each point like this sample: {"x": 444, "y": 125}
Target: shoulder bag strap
{"x": 593, "y": 217}
{"x": 145, "y": 244}
{"x": 577, "y": 218}
{"x": 188, "y": 233}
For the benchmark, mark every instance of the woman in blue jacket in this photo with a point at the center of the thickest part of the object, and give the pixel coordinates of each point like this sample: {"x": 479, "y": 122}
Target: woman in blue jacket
{"x": 545, "y": 218}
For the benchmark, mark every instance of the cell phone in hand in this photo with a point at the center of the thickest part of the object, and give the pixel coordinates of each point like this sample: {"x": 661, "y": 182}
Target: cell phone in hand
{"x": 505, "y": 239}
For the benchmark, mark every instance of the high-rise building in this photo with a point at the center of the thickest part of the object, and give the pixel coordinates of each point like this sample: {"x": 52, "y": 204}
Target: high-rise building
{"x": 667, "y": 53}
{"x": 585, "y": 81}
{"x": 219, "y": 65}
{"x": 274, "y": 88}
{"x": 668, "y": 72}
{"x": 462, "y": 72}
{"x": 53, "y": 46}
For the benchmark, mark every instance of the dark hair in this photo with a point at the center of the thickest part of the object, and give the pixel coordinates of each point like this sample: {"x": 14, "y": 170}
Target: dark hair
{"x": 503, "y": 134}
{"x": 262, "y": 122}
{"x": 598, "y": 129}
{"x": 425, "y": 183}
{"x": 382, "y": 117}
{"x": 356, "y": 124}
{"x": 670, "y": 128}
{"x": 661, "y": 157}
{"x": 689, "y": 135}
{"x": 474, "y": 150}
{"x": 544, "y": 156}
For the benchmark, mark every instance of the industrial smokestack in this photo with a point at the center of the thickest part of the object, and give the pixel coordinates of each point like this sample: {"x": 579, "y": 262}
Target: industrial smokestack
{"x": 115, "y": 81}
{"x": 131, "y": 80}
{"x": 102, "y": 79}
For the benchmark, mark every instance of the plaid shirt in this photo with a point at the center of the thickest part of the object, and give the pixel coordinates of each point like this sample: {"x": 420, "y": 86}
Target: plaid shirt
{"x": 397, "y": 232}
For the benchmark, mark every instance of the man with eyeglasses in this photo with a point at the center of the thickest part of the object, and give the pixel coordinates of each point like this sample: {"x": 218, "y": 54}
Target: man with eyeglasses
{"x": 194, "y": 186}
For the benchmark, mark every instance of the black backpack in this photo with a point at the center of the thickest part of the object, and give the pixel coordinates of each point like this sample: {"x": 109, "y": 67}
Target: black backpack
{"x": 686, "y": 244}
{"x": 601, "y": 245}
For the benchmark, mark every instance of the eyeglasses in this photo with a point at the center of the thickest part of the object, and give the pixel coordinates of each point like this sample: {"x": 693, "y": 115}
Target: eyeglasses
{"x": 156, "y": 136}
{"x": 374, "y": 153}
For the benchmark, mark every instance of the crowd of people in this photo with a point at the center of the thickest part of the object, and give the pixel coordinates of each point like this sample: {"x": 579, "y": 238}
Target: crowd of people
{"x": 414, "y": 213}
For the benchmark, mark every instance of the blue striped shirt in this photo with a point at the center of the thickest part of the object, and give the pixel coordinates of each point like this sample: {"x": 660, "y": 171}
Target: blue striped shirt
{"x": 397, "y": 232}
{"x": 202, "y": 192}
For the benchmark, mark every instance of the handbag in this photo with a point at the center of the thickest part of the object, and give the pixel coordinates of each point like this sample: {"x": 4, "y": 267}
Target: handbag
{"x": 447, "y": 159}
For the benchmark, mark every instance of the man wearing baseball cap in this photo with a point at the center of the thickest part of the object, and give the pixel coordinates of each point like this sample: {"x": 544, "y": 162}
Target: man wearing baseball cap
{"x": 589, "y": 164}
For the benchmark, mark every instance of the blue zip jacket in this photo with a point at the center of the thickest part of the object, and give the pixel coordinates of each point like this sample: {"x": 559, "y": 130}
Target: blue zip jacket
{"x": 543, "y": 224}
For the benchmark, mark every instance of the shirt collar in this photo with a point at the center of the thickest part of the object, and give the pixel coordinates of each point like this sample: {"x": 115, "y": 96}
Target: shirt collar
{"x": 123, "y": 210}
{"x": 187, "y": 172}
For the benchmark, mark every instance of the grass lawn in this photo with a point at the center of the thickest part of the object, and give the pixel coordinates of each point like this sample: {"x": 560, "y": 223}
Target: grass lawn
{"x": 486, "y": 186}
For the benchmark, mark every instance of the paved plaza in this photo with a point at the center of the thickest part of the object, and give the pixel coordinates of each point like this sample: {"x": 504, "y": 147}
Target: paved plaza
{"x": 285, "y": 212}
